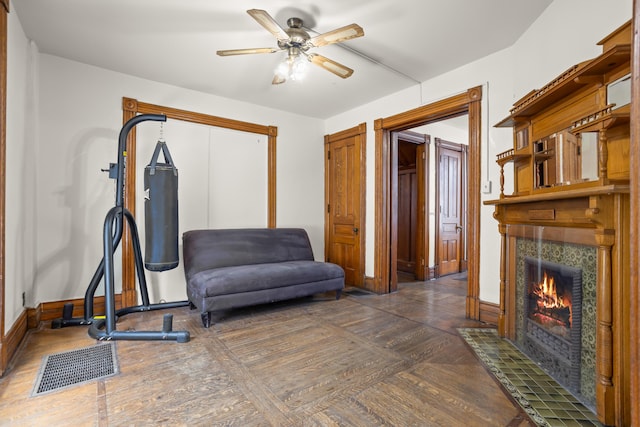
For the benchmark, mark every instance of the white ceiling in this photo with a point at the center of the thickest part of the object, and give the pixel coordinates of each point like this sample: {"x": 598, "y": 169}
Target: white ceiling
{"x": 174, "y": 41}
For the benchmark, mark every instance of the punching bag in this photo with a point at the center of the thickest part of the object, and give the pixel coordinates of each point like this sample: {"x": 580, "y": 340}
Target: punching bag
{"x": 161, "y": 212}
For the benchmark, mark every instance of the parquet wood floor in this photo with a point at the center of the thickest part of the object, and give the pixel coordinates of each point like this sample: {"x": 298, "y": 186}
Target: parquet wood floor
{"x": 364, "y": 360}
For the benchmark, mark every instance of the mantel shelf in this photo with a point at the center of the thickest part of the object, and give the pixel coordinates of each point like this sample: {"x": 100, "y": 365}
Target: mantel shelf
{"x": 565, "y": 194}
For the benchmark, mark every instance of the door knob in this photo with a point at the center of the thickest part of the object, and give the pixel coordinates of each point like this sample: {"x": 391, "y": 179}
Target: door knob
{"x": 355, "y": 230}
{"x": 458, "y": 228}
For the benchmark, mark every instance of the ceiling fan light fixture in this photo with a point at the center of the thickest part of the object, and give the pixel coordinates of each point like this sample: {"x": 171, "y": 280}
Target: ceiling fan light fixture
{"x": 294, "y": 67}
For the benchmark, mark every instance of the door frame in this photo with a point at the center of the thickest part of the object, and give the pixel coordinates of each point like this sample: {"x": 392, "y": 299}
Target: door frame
{"x": 463, "y": 150}
{"x": 385, "y": 278}
{"x": 361, "y": 142}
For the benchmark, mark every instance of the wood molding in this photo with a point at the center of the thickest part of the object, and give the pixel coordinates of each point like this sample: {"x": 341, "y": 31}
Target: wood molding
{"x": 634, "y": 261}
{"x": 468, "y": 102}
{"x": 11, "y": 341}
{"x": 132, "y": 107}
{"x": 271, "y": 167}
{"x": 474, "y": 205}
{"x": 382, "y": 209}
{"x": 369, "y": 283}
{"x": 489, "y": 312}
{"x": 128, "y": 265}
{"x": 48, "y": 311}
{"x": 4, "y": 341}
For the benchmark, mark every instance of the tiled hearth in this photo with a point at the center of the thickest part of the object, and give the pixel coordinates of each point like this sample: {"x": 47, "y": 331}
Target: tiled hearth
{"x": 542, "y": 398}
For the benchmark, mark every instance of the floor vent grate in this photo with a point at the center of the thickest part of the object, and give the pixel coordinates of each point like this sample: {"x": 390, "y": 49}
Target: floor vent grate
{"x": 62, "y": 370}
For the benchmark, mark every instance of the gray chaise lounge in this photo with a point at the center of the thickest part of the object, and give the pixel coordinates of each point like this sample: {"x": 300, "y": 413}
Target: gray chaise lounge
{"x": 240, "y": 267}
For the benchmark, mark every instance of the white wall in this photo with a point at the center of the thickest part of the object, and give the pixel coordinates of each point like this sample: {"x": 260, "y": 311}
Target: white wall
{"x": 80, "y": 118}
{"x": 20, "y": 225}
{"x": 565, "y": 34}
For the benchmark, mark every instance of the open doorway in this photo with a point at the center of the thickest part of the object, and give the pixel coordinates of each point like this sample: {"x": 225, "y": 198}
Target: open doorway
{"x": 429, "y": 164}
{"x": 385, "y": 250}
{"x": 410, "y": 153}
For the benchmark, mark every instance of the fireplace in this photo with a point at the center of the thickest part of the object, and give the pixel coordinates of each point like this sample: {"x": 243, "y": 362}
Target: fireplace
{"x": 561, "y": 337}
{"x": 552, "y": 319}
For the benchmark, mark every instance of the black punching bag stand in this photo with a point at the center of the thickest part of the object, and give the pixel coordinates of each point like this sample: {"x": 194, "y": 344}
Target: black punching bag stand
{"x": 104, "y": 328}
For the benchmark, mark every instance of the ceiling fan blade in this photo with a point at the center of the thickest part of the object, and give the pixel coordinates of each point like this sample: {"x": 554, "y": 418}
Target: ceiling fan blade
{"x": 269, "y": 23}
{"x": 338, "y": 35}
{"x": 331, "y": 65}
{"x": 277, "y": 79}
{"x": 246, "y": 51}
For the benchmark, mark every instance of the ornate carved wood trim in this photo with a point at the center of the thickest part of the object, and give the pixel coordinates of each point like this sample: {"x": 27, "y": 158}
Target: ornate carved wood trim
{"x": 132, "y": 107}
{"x": 604, "y": 334}
{"x": 466, "y": 102}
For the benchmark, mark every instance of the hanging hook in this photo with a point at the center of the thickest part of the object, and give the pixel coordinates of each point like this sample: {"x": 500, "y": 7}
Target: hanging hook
{"x": 161, "y": 138}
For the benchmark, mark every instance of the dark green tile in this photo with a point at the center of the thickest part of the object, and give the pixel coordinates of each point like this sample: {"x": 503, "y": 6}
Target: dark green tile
{"x": 542, "y": 393}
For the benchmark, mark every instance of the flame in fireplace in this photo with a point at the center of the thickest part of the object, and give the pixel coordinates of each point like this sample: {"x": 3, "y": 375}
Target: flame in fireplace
{"x": 547, "y": 293}
{"x": 548, "y": 297}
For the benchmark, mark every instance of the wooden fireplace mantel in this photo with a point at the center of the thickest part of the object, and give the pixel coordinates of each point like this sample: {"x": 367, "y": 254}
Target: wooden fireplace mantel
{"x": 598, "y": 217}
{"x": 571, "y": 173}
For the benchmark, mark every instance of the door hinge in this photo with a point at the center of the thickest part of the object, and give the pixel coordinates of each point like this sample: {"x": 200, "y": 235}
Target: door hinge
{"x": 328, "y": 208}
{"x": 424, "y": 155}
{"x": 328, "y": 155}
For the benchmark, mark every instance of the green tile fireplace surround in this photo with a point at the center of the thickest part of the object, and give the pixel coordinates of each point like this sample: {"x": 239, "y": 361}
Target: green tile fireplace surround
{"x": 583, "y": 258}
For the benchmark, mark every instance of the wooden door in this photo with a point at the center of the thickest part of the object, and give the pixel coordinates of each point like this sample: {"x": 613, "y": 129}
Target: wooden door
{"x": 450, "y": 212}
{"x": 344, "y": 194}
{"x": 407, "y": 219}
{"x": 407, "y": 206}
{"x": 412, "y": 236}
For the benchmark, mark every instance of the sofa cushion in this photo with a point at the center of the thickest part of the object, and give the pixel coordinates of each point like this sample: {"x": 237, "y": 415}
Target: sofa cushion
{"x": 248, "y": 278}
{"x": 208, "y": 249}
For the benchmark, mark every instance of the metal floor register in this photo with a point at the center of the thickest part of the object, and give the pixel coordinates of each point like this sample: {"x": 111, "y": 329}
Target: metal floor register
{"x": 62, "y": 370}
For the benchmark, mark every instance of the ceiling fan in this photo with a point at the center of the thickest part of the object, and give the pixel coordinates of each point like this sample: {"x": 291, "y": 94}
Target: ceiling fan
{"x": 297, "y": 42}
